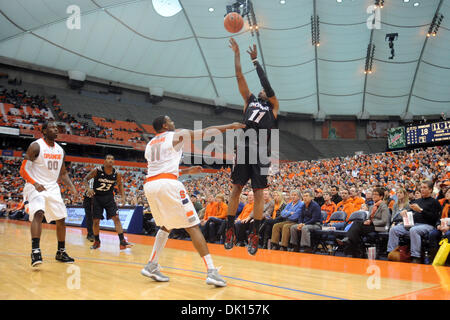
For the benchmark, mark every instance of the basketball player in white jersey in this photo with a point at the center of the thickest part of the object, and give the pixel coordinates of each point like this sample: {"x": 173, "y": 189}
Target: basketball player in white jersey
{"x": 167, "y": 197}
{"x": 42, "y": 167}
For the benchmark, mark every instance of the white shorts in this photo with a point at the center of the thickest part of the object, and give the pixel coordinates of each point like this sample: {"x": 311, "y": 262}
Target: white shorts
{"x": 49, "y": 201}
{"x": 170, "y": 204}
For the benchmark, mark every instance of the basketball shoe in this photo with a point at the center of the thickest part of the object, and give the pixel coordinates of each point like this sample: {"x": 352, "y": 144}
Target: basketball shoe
{"x": 36, "y": 257}
{"x": 214, "y": 278}
{"x": 151, "y": 270}
{"x": 253, "y": 242}
{"x": 62, "y": 256}
{"x": 230, "y": 238}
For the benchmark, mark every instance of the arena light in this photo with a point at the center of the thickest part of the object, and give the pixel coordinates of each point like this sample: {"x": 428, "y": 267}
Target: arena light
{"x": 369, "y": 58}
{"x": 315, "y": 30}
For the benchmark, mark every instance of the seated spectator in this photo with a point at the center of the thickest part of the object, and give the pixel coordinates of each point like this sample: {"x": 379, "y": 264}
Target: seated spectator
{"x": 329, "y": 206}
{"x": 215, "y": 218}
{"x": 377, "y": 221}
{"x": 319, "y": 197}
{"x": 426, "y": 213}
{"x": 345, "y": 205}
{"x": 442, "y": 230}
{"x": 335, "y": 197}
{"x": 242, "y": 223}
{"x": 267, "y": 224}
{"x": 357, "y": 201}
{"x": 369, "y": 200}
{"x": 290, "y": 216}
{"x": 401, "y": 204}
{"x": 309, "y": 219}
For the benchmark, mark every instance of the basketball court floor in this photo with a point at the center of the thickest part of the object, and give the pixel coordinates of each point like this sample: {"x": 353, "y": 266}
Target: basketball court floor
{"x": 109, "y": 273}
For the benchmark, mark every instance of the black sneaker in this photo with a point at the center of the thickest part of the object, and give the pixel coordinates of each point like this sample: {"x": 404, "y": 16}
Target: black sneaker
{"x": 253, "y": 241}
{"x": 230, "y": 239}
{"x": 62, "y": 256}
{"x": 91, "y": 238}
{"x": 36, "y": 257}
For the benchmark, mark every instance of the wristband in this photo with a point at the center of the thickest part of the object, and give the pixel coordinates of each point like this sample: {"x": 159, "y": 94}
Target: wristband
{"x": 254, "y": 61}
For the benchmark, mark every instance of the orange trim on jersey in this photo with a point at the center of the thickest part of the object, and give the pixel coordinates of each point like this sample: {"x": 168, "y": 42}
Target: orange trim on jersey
{"x": 48, "y": 144}
{"x": 190, "y": 213}
{"x": 161, "y": 176}
{"x": 24, "y": 173}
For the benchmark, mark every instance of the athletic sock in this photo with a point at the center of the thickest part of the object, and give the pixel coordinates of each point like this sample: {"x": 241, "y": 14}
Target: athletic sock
{"x": 158, "y": 246}
{"x": 35, "y": 243}
{"x": 230, "y": 221}
{"x": 97, "y": 237}
{"x": 61, "y": 245}
{"x": 208, "y": 261}
{"x": 122, "y": 239}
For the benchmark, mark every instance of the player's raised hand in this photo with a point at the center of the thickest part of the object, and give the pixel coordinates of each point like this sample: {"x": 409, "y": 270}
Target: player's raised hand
{"x": 234, "y": 46}
{"x": 253, "y": 52}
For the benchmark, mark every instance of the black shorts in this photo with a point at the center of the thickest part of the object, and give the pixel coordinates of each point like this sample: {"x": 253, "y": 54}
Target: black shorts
{"x": 257, "y": 172}
{"x": 107, "y": 203}
{"x": 243, "y": 172}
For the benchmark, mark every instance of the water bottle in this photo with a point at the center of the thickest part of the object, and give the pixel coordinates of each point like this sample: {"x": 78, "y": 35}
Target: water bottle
{"x": 426, "y": 258}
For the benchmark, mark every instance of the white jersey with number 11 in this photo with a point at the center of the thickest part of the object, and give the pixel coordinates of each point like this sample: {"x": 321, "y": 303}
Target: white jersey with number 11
{"x": 162, "y": 157}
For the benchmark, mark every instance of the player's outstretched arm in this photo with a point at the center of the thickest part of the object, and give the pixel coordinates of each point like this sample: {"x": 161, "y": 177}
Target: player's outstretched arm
{"x": 264, "y": 80}
{"x": 242, "y": 83}
{"x": 64, "y": 176}
{"x": 186, "y": 134}
{"x": 90, "y": 192}
{"x": 31, "y": 155}
{"x": 191, "y": 170}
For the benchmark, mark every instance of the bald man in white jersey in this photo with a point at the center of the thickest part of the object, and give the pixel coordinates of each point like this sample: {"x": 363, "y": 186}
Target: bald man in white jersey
{"x": 42, "y": 167}
{"x": 168, "y": 199}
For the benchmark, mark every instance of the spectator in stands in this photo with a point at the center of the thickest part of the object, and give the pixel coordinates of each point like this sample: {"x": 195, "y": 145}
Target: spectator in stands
{"x": 426, "y": 214}
{"x": 329, "y": 206}
{"x": 319, "y": 197}
{"x": 442, "y": 229}
{"x": 309, "y": 220}
{"x": 267, "y": 224}
{"x": 215, "y": 218}
{"x": 197, "y": 204}
{"x": 357, "y": 201}
{"x": 242, "y": 223}
{"x": 290, "y": 215}
{"x": 369, "y": 200}
{"x": 401, "y": 204}
{"x": 345, "y": 205}
{"x": 377, "y": 221}
{"x": 335, "y": 197}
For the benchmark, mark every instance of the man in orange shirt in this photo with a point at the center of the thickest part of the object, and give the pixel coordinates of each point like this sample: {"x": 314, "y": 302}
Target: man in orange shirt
{"x": 329, "y": 206}
{"x": 242, "y": 223}
{"x": 345, "y": 205}
{"x": 214, "y": 218}
{"x": 356, "y": 200}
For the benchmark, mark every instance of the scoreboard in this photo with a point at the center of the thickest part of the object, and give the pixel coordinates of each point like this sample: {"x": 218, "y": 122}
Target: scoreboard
{"x": 428, "y": 133}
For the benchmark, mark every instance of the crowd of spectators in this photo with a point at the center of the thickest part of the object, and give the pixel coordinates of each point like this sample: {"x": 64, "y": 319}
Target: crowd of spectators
{"x": 304, "y": 196}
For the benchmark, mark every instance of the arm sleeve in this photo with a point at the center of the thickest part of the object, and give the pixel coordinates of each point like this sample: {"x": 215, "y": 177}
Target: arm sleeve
{"x": 263, "y": 79}
{"x": 24, "y": 173}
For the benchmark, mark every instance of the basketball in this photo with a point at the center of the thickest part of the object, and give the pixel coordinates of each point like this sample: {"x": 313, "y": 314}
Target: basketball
{"x": 233, "y": 22}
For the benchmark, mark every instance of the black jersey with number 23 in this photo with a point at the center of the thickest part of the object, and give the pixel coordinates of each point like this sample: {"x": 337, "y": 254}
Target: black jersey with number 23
{"x": 104, "y": 183}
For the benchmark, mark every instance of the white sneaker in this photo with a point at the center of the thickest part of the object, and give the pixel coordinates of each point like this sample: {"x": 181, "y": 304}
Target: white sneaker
{"x": 214, "y": 278}
{"x": 151, "y": 270}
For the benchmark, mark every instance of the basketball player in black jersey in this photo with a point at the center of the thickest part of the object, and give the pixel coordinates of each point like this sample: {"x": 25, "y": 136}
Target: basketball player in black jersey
{"x": 259, "y": 113}
{"x": 102, "y": 193}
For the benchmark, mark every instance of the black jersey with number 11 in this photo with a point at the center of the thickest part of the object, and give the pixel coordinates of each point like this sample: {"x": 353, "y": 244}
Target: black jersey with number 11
{"x": 259, "y": 115}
